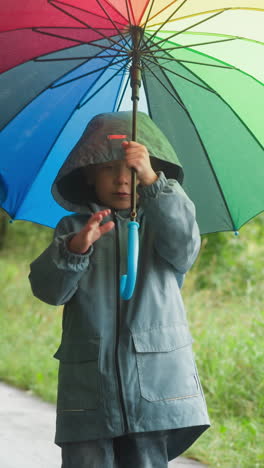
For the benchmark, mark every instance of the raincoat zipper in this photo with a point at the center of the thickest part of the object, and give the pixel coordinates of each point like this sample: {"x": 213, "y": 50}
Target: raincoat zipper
{"x": 118, "y": 324}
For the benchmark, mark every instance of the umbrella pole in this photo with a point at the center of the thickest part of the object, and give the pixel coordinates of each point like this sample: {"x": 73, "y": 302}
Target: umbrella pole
{"x": 133, "y": 213}
{"x": 128, "y": 281}
{"x": 135, "y": 82}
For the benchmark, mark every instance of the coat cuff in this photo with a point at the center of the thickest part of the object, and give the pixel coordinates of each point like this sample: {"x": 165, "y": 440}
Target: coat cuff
{"x": 152, "y": 191}
{"x": 69, "y": 260}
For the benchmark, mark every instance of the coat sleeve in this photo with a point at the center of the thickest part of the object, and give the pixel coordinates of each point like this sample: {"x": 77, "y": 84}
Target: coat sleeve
{"x": 171, "y": 215}
{"x": 55, "y": 274}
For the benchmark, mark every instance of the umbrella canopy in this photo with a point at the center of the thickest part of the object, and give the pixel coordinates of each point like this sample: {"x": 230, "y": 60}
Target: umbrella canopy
{"x": 200, "y": 64}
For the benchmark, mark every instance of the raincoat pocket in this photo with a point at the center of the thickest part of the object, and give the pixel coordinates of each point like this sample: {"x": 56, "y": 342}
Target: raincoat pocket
{"x": 165, "y": 363}
{"x": 78, "y": 382}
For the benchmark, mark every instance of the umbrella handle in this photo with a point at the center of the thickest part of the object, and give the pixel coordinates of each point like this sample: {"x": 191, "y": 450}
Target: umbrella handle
{"x": 127, "y": 282}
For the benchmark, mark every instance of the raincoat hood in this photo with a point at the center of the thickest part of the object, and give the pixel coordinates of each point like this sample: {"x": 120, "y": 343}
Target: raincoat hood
{"x": 101, "y": 142}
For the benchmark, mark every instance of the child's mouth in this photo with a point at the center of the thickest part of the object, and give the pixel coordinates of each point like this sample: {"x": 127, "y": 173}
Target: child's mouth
{"x": 121, "y": 194}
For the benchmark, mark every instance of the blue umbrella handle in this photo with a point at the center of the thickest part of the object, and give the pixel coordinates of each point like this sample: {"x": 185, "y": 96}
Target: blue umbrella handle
{"x": 127, "y": 282}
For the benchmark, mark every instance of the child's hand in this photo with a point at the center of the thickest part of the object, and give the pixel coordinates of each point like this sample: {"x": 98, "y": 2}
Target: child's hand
{"x": 137, "y": 157}
{"x": 90, "y": 233}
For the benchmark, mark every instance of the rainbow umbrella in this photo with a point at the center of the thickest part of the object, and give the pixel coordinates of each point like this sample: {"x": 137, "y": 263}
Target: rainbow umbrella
{"x": 196, "y": 67}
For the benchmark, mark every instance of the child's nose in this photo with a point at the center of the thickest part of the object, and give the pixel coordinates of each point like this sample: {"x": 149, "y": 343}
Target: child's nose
{"x": 123, "y": 175}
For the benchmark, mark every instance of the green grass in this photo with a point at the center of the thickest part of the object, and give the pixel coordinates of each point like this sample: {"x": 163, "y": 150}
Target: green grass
{"x": 223, "y": 294}
{"x": 229, "y": 354}
{"x": 30, "y": 329}
{"x": 30, "y": 332}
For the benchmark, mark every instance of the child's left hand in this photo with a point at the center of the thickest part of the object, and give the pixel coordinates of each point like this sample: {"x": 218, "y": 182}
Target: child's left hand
{"x": 137, "y": 157}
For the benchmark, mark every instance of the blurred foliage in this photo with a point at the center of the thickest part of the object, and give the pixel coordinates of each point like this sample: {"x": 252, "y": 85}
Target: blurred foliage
{"x": 24, "y": 238}
{"x": 232, "y": 264}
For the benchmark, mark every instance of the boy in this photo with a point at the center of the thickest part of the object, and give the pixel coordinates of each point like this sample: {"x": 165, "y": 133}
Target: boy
{"x": 128, "y": 394}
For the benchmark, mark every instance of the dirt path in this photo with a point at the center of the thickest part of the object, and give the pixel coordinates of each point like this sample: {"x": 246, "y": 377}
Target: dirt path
{"x": 27, "y": 427}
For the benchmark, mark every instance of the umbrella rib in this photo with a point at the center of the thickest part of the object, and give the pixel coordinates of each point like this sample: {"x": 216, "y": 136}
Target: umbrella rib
{"x": 75, "y": 40}
{"x": 208, "y": 88}
{"x": 123, "y": 93}
{"x": 144, "y": 28}
{"x": 50, "y": 86}
{"x": 164, "y": 86}
{"x": 115, "y": 55}
{"x": 118, "y": 92}
{"x": 231, "y": 108}
{"x": 86, "y": 11}
{"x": 134, "y": 19}
{"x": 170, "y": 84}
{"x": 212, "y": 170}
{"x": 101, "y": 87}
{"x": 94, "y": 83}
{"x": 87, "y": 58}
{"x": 53, "y": 144}
{"x": 90, "y": 73}
{"x": 146, "y": 93}
{"x": 115, "y": 26}
{"x": 172, "y": 59}
{"x": 163, "y": 9}
{"x": 87, "y": 26}
{"x": 61, "y": 131}
{"x": 128, "y": 2}
{"x": 187, "y": 79}
{"x": 143, "y": 12}
{"x": 78, "y": 58}
{"x": 128, "y": 13}
{"x": 186, "y": 29}
{"x": 166, "y": 21}
{"x": 206, "y": 64}
{"x": 203, "y": 147}
{"x": 117, "y": 11}
{"x": 193, "y": 45}
{"x": 183, "y": 77}
{"x": 169, "y": 81}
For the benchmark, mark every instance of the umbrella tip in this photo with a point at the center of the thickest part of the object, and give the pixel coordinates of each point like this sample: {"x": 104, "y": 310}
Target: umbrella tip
{"x": 236, "y": 233}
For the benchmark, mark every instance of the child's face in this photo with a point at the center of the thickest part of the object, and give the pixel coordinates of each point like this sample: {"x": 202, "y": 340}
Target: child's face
{"x": 113, "y": 184}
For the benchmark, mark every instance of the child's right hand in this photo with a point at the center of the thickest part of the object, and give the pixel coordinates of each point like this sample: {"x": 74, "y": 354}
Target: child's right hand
{"x": 90, "y": 233}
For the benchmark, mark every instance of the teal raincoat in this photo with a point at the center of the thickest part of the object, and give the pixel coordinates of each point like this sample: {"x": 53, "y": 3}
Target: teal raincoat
{"x": 125, "y": 366}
